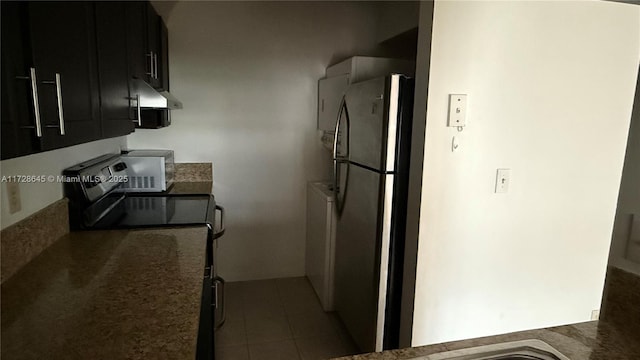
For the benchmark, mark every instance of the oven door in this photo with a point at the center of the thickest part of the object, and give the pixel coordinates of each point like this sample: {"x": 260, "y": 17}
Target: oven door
{"x": 205, "y": 350}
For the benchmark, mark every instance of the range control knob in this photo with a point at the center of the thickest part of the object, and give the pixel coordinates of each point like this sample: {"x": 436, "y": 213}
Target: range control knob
{"x": 119, "y": 166}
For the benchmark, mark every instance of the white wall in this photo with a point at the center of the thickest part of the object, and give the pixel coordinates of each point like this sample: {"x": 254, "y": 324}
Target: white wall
{"x": 36, "y": 196}
{"x": 550, "y": 88}
{"x": 623, "y": 254}
{"x": 247, "y": 75}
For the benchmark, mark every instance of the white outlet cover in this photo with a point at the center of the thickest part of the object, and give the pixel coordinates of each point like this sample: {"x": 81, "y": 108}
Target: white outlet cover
{"x": 457, "y": 110}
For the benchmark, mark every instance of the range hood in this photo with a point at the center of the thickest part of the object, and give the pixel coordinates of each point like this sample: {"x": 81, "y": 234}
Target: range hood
{"x": 151, "y": 98}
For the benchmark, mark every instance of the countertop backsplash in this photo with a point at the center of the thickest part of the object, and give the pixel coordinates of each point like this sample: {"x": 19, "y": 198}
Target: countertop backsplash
{"x": 26, "y": 239}
{"x": 193, "y": 172}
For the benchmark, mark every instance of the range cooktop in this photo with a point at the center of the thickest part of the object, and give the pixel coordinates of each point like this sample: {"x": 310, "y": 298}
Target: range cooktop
{"x": 136, "y": 211}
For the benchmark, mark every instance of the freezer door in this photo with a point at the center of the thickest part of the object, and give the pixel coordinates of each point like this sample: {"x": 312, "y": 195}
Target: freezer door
{"x": 373, "y": 118}
{"x": 330, "y": 93}
{"x": 361, "y": 258}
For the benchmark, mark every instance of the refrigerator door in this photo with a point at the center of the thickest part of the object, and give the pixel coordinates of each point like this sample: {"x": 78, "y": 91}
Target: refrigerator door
{"x": 373, "y": 120}
{"x": 361, "y": 259}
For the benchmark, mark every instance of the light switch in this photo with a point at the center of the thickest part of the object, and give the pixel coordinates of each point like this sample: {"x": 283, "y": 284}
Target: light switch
{"x": 503, "y": 176}
{"x": 457, "y": 110}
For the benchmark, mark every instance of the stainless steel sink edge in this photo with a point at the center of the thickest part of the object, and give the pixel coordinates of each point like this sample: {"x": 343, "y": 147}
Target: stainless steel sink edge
{"x": 532, "y": 347}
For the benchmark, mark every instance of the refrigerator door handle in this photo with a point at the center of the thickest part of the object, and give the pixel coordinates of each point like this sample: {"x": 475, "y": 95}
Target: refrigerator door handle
{"x": 336, "y": 135}
{"x": 339, "y": 193}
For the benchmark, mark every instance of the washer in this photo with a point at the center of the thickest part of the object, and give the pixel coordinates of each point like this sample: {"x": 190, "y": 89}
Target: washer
{"x": 321, "y": 235}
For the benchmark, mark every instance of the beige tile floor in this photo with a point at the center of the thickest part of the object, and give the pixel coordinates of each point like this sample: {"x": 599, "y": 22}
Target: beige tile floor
{"x": 279, "y": 319}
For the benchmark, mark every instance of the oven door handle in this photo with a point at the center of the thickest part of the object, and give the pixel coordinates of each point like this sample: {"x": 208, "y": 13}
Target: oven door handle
{"x": 220, "y": 232}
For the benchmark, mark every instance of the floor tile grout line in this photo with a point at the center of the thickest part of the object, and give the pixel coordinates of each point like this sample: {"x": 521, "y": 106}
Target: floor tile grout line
{"x": 286, "y": 314}
{"x": 281, "y": 297}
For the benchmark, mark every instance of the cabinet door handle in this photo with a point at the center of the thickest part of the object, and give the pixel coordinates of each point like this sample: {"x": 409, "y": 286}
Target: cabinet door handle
{"x": 58, "y": 84}
{"x": 150, "y": 56}
{"x": 36, "y": 102}
{"x": 155, "y": 66}
{"x": 139, "y": 113}
{"x": 34, "y": 96}
{"x": 60, "y": 108}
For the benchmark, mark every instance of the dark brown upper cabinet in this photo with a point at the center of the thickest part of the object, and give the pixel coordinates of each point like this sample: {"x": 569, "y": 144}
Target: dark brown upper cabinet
{"x": 148, "y": 45}
{"x": 19, "y": 135}
{"x": 68, "y": 70}
{"x": 117, "y": 101}
{"x": 57, "y": 63}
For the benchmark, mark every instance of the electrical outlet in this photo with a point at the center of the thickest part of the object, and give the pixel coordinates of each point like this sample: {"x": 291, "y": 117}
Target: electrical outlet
{"x": 13, "y": 192}
{"x": 595, "y": 314}
{"x": 457, "y": 110}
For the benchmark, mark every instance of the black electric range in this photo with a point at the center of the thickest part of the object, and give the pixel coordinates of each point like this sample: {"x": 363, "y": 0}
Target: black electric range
{"x": 97, "y": 201}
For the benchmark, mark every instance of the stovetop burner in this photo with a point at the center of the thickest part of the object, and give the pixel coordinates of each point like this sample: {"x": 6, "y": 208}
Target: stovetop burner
{"x": 136, "y": 211}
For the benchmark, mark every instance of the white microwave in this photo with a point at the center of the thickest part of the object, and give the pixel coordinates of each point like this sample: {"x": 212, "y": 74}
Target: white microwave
{"x": 148, "y": 170}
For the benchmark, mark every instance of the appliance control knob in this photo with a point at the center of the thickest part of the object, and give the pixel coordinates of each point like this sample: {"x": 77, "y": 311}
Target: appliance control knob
{"x": 119, "y": 166}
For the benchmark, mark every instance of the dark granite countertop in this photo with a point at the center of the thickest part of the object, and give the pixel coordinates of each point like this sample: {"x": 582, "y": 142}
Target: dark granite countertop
{"x": 594, "y": 340}
{"x": 191, "y": 187}
{"x": 120, "y": 294}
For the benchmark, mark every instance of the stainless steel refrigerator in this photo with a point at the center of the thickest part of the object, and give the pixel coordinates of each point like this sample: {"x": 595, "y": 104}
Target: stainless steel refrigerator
{"x": 371, "y": 166}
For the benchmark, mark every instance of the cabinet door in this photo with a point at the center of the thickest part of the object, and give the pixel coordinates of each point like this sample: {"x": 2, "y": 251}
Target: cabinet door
{"x": 64, "y": 55}
{"x": 154, "y": 28}
{"x": 330, "y": 93}
{"x": 139, "y": 56}
{"x": 163, "y": 58}
{"x": 115, "y": 99}
{"x": 145, "y": 44}
{"x": 18, "y": 120}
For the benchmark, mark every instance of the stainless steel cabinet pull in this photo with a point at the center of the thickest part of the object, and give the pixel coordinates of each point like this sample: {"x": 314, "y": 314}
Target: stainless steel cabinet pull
{"x": 150, "y": 56}
{"x": 58, "y": 85}
{"x": 155, "y": 66}
{"x": 215, "y": 295}
{"x": 36, "y": 102}
{"x": 138, "y": 110}
{"x": 60, "y": 109}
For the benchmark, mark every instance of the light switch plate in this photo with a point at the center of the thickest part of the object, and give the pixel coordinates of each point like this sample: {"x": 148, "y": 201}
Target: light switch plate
{"x": 457, "y": 110}
{"x": 503, "y": 177}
